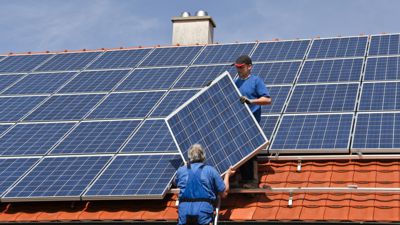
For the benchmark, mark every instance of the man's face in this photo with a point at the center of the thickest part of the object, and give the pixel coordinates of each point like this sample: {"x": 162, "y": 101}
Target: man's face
{"x": 244, "y": 70}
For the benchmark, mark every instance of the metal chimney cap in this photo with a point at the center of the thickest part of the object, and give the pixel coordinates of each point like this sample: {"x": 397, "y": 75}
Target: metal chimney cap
{"x": 185, "y": 14}
{"x": 201, "y": 13}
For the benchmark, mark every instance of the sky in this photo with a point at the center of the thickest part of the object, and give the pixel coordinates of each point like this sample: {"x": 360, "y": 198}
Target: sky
{"x": 57, "y": 25}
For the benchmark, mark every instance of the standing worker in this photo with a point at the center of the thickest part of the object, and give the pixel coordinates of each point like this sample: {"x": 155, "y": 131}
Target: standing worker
{"x": 254, "y": 94}
{"x": 199, "y": 186}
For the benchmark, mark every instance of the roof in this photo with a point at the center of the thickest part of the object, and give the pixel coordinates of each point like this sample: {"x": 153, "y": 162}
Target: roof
{"x": 350, "y": 206}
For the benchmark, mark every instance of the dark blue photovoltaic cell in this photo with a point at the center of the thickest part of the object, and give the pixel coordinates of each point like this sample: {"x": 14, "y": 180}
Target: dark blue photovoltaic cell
{"x": 277, "y": 73}
{"x": 383, "y": 68}
{"x": 150, "y": 79}
{"x": 313, "y": 132}
{"x": 7, "y": 80}
{"x": 338, "y": 47}
{"x": 14, "y": 108}
{"x": 32, "y": 139}
{"x": 152, "y": 136}
{"x": 127, "y": 105}
{"x": 385, "y": 45}
{"x": 219, "y": 54}
{"x": 380, "y": 96}
{"x": 219, "y": 122}
{"x": 175, "y": 56}
{"x": 42, "y": 83}
{"x": 65, "y": 107}
{"x": 323, "y": 98}
{"x": 172, "y": 101}
{"x": 279, "y": 95}
{"x": 68, "y": 61}
{"x": 63, "y": 177}
{"x": 4, "y": 127}
{"x": 119, "y": 59}
{"x": 268, "y": 124}
{"x": 379, "y": 131}
{"x": 22, "y": 63}
{"x": 282, "y": 50}
{"x": 94, "y": 81}
{"x": 96, "y": 137}
{"x": 11, "y": 169}
{"x": 199, "y": 76}
{"x": 340, "y": 70}
{"x": 136, "y": 176}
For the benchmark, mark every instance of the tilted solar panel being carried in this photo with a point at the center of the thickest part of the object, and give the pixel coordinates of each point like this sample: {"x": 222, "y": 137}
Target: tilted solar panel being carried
{"x": 119, "y": 59}
{"x": 382, "y": 68}
{"x": 280, "y": 50}
{"x": 13, "y": 109}
{"x": 57, "y": 178}
{"x": 150, "y": 79}
{"x": 338, "y": 47}
{"x": 135, "y": 177}
{"x": 221, "y": 54}
{"x": 41, "y": 83}
{"x": 380, "y": 96}
{"x": 173, "y": 56}
{"x": 216, "y": 119}
{"x": 323, "y": 98}
{"x": 339, "y": 70}
{"x": 277, "y": 73}
{"x": 68, "y": 61}
{"x": 377, "y": 132}
{"x": 279, "y": 95}
{"x": 22, "y": 63}
{"x": 32, "y": 139}
{"x": 8, "y": 80}
{"x": 172, "y": 101}
{"x": 318, "y": 133}
{"x": 384, "y": 45}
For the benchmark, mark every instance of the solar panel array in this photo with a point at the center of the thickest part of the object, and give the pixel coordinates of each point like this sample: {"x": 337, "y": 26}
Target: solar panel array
{"x": 108, "y": 109}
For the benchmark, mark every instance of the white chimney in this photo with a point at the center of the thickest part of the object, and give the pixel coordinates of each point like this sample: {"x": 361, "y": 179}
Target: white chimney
{"x": 188, "y": 30}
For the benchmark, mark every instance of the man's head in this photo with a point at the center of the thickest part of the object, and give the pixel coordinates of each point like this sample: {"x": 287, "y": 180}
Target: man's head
{"x": 243, "y": 65}
{"x": 196, "y": 153}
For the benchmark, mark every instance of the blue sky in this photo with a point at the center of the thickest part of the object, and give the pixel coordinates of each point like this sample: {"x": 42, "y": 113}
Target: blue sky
{"x": 55, "y": 25}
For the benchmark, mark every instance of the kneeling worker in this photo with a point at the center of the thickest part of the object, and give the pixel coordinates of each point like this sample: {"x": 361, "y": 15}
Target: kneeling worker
{"x": 199, "y": 186}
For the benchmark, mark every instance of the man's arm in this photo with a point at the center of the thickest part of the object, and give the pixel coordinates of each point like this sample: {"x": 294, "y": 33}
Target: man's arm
{"x": 261, "y": 101}
{"x": 229, "y": 173}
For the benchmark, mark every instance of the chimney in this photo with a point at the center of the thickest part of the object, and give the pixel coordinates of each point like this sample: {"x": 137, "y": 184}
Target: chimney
{"x": 188, "y": 30}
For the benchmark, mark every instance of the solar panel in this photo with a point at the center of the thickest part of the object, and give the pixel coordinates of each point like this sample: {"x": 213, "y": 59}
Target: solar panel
{"x": 119, "y": 59}
{"x": 268, "y": 124}
{"x": 199, "y": 76}
{"x": 7, "y": 80}
{"x": 174, "y": 56}
{"x": 42, "y": 83}
{"x": 383, "y": 68}
{"x": 338, "y": 47}
{"x": 377, "y": 132}
{"x": 14, "y": 108}
{"x": 385, "y": 45}
{"x": 22, "y": 63}
{"x": 339, "y": 70}
{"x": 150, "y": 79}
{"x": 126, "y": 105}
{"x": 380, "y": 96}
{"x": 65, "y": 107}
{"x": 94, "y": 81}
{"x": 216, "y": 119}
{"x": 4, "y": 127}
{"x": 313, "y": 133}
{"x": 280, "y": 50}
{"x": 96, "y": 137}
{"x": 172, "y": 101}
{"x": 323, "y": 98}
{"x": 279, "y": 94}
{"x": 57, "y": 178}
{"x": 152, "y": 136}
{"x": 135, "y": 177}
{"x": 277, "y": 73}
{"x": 32, "y": 139}
{"x": 11, "y": 169}
{"x": 68, "y": 61}
{"x": 220, "y": 54}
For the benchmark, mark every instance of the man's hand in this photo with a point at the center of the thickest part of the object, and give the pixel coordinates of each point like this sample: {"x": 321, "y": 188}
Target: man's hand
{"x": 244, "y": 99}
{"x": 230, "y": 171}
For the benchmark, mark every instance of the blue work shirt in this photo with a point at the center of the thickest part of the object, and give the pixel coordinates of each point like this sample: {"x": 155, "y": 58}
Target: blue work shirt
{"x": 253, "y": 87}
{"x": 212, "y": 184}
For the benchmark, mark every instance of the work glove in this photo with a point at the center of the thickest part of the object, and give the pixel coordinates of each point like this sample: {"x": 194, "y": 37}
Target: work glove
{"x": 244, "y": 99}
